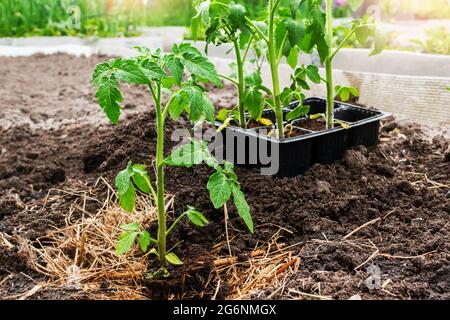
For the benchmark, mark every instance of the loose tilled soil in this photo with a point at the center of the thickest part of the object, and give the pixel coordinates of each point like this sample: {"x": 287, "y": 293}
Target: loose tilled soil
{"x": 53, "y": 135}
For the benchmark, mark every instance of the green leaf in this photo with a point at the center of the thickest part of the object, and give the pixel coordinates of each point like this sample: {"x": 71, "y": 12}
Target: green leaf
{"x": 296, "y": 30}
{"x": 237, "y": 14}
{"x": 208, "y": 108}
{"x": 200, "y": 66}
{"x": 379, "y": 43}
{"x": 353, "y": 91}
{"x": 126, "y": 242}
{"x": 219, "y": 189}
{"x": 129, "y": 71}
{"x": 141, "y": 178}
{"x": 192, "y": 99}
{"x": 109, "y": 96}
{"x": 152, "y": 70}
{"x": 254, "y": 102}
{"x": 286, "y": 96}
{"x": 187, "y": 155}
{"x": 201, "y": 17}
{"x": 298, "y": 112}
{"x": 123, "y": 180}
{"x": 176, "y": 107}
{"x": 173, "y": 259}
{"x": 292, "y": 58}
{"x": 175, "y": 67}
{"x": 242, "y": 206}
{"x": 222, "y": 114}
{"x": 196, "y": 217}
{"x": 362, "y": 32}
{"x": 128, "y": 200}
{"x": 134, "y": 226}
{"x": 144, "y": 240}
{"x": 313, "y": 73}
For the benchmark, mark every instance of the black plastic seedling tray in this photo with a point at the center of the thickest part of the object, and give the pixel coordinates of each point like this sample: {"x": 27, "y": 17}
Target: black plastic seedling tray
{"x": 254, "y": 148}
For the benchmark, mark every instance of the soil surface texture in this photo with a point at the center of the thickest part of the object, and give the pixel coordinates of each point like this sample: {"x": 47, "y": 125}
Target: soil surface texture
{"x": 53, "y": 136}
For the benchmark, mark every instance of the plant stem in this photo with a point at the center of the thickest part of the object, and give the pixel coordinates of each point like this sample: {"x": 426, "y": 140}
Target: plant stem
{"x": 160, "y": 178}
{"x": 273, "y": 57}
{"x": 174, "y": 224}
{"x": 329, "y": 66}
{"x": 225, "y": 215}
{"x": 241, "y": 84}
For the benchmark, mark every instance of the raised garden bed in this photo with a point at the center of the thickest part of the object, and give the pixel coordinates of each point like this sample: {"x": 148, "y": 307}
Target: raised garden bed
{"x": 307, "y": 142}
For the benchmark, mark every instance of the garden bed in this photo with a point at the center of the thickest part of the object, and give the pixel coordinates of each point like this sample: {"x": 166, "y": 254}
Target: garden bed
{"x": 385, "y": 206}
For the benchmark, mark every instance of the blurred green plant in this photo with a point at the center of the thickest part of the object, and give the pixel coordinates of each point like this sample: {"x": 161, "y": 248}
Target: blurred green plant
{"x": 103, "y": 18}
{"x": 438, "y": 41}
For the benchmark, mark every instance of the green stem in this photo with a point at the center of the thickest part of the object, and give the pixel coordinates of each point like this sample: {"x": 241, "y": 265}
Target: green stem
{"x": 342, "y": 44}
{"x": 174, "y": 224}
{"x": 160, "y": 177}
{"x": 241, "y": 84}
{"x": 257, "y": 30}
{"x": 273, "y": 57}
{"x": 229, "y": 79}
{"x": 329, "y": 66}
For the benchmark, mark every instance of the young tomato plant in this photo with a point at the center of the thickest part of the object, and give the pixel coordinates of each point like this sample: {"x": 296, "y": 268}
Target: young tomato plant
{"x": 365, "y": 31}
{"x": 163, "y": 75}
{"x": 287, "y": 31}
{"x": 225, "y": 22}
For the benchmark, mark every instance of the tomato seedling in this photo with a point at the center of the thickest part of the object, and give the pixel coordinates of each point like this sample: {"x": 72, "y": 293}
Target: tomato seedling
{"x": 225, "y": 22}
{"x": 163, "y": 74}
{"x": 287, "y": 31}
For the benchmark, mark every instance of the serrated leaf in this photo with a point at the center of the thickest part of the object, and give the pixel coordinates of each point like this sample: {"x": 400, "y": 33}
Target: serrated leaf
{"x": 201, "y": 17}
{"x": 219, "y": 189}
{"x": 109, "y": 96}
{"x": 200, "y": 66}
{"x": 123, "y": 180}
{"x": 134, "y": 226}
{"x": 152, "y": 70}
{"x": 242, "y": 207}
{"x": 192, "y": 100}
{"x": 144, "y": 240}
{"x": 196, "y": 217}
{"x": 208, "y": 108}
{"x": 173, "y": 259}
{"x": 175, "y": 67}
{"x": 187, "y": 155}
{"x": 253, "y": 102}
{"x": 126, "y": 242}
{"x": 129, "y": 71}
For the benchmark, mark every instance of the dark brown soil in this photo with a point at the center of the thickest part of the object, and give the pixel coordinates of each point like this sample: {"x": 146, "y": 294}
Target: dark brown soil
{"x": 313, "y": 125}
{"x": 406, "y": 176}
{"x": 296, "y": 132}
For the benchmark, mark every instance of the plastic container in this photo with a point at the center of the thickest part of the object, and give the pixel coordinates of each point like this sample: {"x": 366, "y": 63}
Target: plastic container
{"x": 293, "y": 156}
